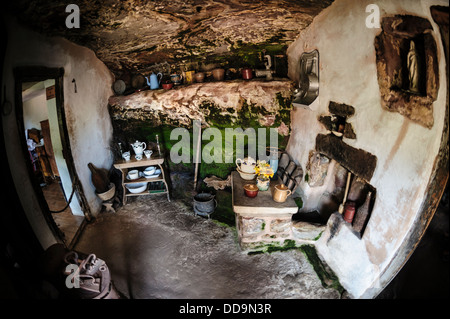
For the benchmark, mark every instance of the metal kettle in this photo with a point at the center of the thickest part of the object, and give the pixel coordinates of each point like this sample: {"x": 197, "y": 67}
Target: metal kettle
{"x": 154, "y": 80}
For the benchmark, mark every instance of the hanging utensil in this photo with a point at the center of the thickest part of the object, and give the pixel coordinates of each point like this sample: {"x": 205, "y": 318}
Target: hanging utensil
{"x": 341, "y": 207}
{"x": 197, "y": 156}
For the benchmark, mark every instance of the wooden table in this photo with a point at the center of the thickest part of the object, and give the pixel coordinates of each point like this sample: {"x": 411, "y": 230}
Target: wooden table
{"x": 125, "y": 166}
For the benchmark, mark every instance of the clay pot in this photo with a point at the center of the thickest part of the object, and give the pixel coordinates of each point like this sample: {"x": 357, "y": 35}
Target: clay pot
{"x": 218, "y": 74}
{"x": 251, "y": 190}
{"x": 199, "y": 77}
{"x": 247, "y": 73}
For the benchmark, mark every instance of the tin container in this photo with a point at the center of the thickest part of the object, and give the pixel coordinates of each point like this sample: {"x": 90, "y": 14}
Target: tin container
{"x": 349, "y": 212}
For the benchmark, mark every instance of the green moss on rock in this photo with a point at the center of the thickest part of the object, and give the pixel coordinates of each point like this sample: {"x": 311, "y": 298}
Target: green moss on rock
{"x": 325, "y": 274}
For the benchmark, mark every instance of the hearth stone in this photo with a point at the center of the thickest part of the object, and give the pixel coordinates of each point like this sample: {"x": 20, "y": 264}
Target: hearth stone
{"x": 307, "y": 231}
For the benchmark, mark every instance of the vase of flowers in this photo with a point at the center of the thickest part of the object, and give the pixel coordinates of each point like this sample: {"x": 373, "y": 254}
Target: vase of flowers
{"x": 264, "y": 172}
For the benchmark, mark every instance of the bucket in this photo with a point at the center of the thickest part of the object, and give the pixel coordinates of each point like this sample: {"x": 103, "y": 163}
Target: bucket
{"x": 204, "y": 204}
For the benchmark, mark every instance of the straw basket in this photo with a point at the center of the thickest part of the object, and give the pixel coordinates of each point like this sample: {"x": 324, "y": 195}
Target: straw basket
{"x": 109, "y": 193}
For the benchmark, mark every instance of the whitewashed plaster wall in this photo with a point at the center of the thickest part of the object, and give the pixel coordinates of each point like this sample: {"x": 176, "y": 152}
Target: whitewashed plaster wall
{"x": 88, "y": 121}
{"x": 35, "y": 109}
{"x": 405, "y": 150}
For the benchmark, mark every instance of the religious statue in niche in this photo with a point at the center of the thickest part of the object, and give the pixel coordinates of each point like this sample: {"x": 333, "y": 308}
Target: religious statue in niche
{"x": 407, "y": 67}
{"x": 413, "y": 68}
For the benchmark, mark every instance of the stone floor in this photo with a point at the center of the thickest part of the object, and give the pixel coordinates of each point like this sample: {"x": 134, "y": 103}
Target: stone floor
{"x": 156, "y": 249}
{"x": 66, "y": 221}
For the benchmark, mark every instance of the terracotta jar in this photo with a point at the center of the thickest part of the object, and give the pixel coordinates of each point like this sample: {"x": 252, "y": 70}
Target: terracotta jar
{"x": 167, "y": 86}
{"x": 199, "y": 77}
{"x": 218, "y": 74}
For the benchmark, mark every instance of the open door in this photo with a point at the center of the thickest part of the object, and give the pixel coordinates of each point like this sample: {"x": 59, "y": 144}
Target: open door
{"x": 41, "y": 123}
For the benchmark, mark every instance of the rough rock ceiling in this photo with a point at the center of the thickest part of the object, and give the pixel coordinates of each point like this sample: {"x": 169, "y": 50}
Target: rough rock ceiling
{"x": 133, "y": 35}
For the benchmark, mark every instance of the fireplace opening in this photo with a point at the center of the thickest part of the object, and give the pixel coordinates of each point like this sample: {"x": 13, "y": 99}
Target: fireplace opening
{"x": 357, "y": 200}
{"x": 338, "y": 178}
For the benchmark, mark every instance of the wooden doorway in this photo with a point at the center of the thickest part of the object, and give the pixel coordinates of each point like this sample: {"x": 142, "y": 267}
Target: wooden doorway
{"x": 54, "y": 177}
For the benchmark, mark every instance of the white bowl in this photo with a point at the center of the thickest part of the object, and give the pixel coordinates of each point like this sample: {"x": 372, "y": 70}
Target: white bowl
{"x": 136, "y": 188}
{"x": 246, "y": 176}
{"x": 247, "y": 169}
{"x": 149, "y": 170}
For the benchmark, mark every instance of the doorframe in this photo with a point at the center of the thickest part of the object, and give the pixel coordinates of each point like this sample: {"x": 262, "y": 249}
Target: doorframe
{"x": 34, "y": 74}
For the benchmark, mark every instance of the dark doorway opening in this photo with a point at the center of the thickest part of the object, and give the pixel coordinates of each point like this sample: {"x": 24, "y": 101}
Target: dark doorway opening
{"x": 46, "y": 150}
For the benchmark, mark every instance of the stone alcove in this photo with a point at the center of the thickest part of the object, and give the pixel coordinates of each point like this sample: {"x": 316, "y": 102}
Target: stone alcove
{"x": 235, "y": 105}
{"x": 393, "y": 48}
{"x": 328, "y": 167}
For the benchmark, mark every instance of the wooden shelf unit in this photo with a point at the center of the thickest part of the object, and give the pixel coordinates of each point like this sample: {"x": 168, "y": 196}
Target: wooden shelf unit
{"x": 125, "y": 166}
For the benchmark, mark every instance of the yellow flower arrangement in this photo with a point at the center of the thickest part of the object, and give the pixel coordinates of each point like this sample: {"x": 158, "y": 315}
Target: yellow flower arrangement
{"x": 263, "y": 169}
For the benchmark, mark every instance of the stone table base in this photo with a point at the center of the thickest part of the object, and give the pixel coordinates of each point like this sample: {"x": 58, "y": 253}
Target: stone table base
{"x": 260, "y": 220}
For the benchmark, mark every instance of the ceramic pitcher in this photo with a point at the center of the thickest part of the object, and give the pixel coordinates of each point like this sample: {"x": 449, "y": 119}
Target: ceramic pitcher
{"x": 281, "y": 193}
{"x": 139, "y": 147}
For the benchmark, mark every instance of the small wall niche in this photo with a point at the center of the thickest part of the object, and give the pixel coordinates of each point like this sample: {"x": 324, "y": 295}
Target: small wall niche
{"x": 337, "y": 122}
{"x": 361, "y": 195}
{"x": 407, "y": 67}
{"x": 413, "y": 51}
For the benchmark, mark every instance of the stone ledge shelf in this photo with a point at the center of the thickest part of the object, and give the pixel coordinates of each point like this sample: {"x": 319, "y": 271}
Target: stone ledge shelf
{"x": 186, "y": 103}
{"x": 261, "y": 220}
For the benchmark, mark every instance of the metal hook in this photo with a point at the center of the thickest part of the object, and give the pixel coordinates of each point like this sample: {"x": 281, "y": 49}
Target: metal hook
{"x": 75, "y": 85}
